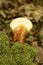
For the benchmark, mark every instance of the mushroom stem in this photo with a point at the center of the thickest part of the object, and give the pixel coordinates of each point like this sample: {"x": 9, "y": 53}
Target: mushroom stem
{"x": 22, "y": 36}
{"x": 19, "y": 35}
{"x": 15, "y": 36}
{"x": 16, "y": 33}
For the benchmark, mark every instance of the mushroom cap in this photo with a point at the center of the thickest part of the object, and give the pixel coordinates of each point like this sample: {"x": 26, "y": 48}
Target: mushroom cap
{"x": 25, "y": 22}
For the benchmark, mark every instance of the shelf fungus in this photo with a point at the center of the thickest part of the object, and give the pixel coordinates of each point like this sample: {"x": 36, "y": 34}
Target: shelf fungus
{"x": 20, "y": 27}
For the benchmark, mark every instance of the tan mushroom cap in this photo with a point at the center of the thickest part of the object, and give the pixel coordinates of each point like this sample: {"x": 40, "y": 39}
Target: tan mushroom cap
{"x": 25, "y": 22}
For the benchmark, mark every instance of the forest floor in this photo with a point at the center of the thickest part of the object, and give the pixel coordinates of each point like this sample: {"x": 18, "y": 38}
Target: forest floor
{"x": 10, "y": 9}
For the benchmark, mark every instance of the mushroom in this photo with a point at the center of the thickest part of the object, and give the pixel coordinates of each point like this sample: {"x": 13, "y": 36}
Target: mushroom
{"x": 20, "y": 27}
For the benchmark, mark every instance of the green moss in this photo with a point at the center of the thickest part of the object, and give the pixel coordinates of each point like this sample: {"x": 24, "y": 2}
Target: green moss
{"x": 16, "y": 53}
{"x": 3, "y": 38}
